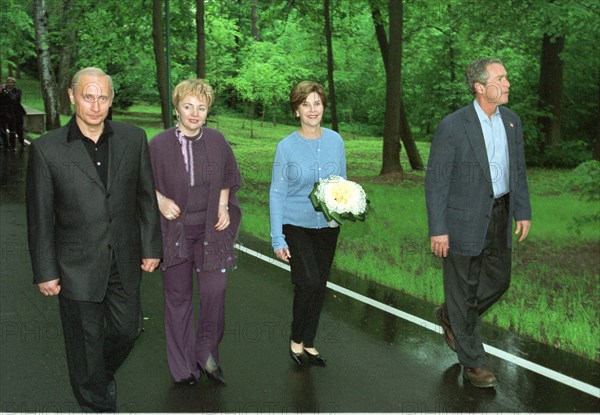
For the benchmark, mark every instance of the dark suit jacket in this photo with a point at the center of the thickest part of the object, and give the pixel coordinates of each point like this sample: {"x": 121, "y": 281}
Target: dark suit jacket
{"x": 75, "y": 223}
{"x": 458, "y": 183}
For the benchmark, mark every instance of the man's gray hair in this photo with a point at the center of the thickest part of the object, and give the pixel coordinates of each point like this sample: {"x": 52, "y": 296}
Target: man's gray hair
{"x": 477, "y": 72}
{"x": 94, "y": 72}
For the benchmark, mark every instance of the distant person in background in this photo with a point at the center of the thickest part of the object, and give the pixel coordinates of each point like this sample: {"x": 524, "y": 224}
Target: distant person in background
{"x": 16, "y": 113}
{"x": 4, "y": 113}
{"x": 299, "y": 234}
{"x": 475, "y": 186}
{"x": 197, "y": 178}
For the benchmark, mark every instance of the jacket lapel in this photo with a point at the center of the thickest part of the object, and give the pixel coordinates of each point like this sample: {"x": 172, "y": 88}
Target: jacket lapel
{"x": 76, "y": 152}
{"x": 115, "y": 155}
{"x": 509, "y": 126}
{"x": 475, "y": 134}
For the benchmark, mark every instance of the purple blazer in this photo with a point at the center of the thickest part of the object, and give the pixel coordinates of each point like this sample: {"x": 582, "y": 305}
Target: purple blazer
{"x": 171, "y": 180}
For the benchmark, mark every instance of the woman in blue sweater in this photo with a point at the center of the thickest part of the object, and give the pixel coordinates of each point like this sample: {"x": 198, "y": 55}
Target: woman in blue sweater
{"x": 300, "y": 235}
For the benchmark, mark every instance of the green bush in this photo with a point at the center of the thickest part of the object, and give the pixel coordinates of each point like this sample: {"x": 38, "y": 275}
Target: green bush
{"x": 585, "y": 180}
{"x": 566, "y": 154}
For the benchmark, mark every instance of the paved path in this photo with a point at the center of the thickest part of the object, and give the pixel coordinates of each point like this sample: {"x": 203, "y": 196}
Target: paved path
{"x": 377, "y": 362}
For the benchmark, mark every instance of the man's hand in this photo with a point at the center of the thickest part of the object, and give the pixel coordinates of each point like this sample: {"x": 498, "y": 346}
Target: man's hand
{"x": 150, "y": 264}
{"x": 440, "y": 245}
{"x": 523, "y": 227}
{"x": 49, "y": 288}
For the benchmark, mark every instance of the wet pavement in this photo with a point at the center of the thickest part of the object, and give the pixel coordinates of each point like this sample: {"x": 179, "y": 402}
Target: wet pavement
{"x": 377, "y": 362}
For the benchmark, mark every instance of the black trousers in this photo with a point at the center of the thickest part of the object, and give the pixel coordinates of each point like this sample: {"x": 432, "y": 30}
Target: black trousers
{"x": 473, "y": 284}
{"x": 15, "y": 125}
{"x": 98, "y": 339}
{"x": 312, "y": 252}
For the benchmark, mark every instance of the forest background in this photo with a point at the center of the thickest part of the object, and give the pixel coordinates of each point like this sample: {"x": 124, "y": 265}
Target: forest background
{"x": 392, "y": 70}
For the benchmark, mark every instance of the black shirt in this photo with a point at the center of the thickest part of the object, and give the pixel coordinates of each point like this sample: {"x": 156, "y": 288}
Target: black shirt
{"x": 98, "y": 151}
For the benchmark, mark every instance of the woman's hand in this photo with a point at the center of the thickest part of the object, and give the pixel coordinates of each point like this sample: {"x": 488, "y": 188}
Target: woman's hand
{"x": 283, "y": 254}
{"x": 223, "y": 215}
{"x": 169, "y": 208}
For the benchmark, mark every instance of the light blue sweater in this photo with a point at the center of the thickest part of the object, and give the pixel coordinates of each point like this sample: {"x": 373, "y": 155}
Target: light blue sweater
{"x": 298, "y": 164}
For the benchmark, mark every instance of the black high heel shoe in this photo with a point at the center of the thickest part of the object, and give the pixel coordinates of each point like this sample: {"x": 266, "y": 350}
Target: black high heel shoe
{"x": 297, "y": 357}
{"x": 315, "y": 359}
{"x": 191, "y": 381}
{"x": 216, "y": 375}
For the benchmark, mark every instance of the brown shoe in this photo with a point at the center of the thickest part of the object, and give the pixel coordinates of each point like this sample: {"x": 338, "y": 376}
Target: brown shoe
{"x": 482, "y": 377}
{"x": 441, "y": 317}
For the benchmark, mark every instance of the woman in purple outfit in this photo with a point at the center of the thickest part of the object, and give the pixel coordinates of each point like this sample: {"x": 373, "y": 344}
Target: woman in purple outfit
{"x": 196, "y": 176}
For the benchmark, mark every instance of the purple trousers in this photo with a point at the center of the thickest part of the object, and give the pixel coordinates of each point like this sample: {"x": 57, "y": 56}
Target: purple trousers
{"x": 190, "y": 347}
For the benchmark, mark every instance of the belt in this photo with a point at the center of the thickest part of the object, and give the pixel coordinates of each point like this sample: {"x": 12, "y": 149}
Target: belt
{"x": 501, "y": 200}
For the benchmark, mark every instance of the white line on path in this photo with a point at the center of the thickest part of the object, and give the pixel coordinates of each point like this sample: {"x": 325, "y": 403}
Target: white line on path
{"x": 534, "y": 367}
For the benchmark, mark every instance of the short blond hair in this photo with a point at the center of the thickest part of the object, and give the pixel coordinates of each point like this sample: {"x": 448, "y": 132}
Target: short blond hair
{"x": 195, "y": 87}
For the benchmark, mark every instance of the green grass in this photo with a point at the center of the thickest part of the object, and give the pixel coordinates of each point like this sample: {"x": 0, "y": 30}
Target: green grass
{"x": 554, "y": 290}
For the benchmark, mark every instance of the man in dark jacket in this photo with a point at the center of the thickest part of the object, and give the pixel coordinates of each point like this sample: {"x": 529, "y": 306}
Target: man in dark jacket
{"x": 93, "y": 226}
{"x": 5, "y": 112}
{"x": 475, "y": 186}
{"x": 16, "y": 113}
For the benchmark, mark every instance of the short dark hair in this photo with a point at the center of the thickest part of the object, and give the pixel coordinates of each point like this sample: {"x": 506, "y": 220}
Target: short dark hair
{"x": 301, "y": 91}
{"x": 477, "y": 72}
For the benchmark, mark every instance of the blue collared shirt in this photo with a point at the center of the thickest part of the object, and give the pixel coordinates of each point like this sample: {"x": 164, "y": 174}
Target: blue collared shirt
{"x": 496, "y": 146}
{"x": 299, "y": 163}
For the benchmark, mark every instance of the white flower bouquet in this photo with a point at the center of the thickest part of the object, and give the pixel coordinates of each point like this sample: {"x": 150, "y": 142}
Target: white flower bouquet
{"x": 339, "y": 199}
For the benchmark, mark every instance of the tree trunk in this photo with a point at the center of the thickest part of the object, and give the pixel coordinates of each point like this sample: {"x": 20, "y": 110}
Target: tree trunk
{"x": 161, "y": 59}
{"x": 332, "y": 106}
{"x": 254, "y": 21}
{"x": 64, "y": 72}
{"x": 66, "y": 57}
{"x": 596, "y": 153}
{"x": 393, "y": 87}
{"x": 550, "y": 89}
{"x": 200, "y": 40}
{"x": 48, "y": 81}
{"x": 414, "y": 158}
{"x": 412, "y": 152}
{"x": 251, "y": 119}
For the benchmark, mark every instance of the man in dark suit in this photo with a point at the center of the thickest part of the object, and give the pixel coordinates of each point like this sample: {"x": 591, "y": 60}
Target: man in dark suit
{"x": 16, "y": 113}
{"x": 475, "y": 185}
{"x": 93, "y": 226}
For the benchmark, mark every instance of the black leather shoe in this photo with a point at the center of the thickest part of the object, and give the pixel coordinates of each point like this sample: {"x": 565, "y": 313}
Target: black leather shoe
{"x": 297, "y": 357}
{"x": 191, "y": 381}
{"x": 216, "y": 375}
{"x": 315, "y": 359}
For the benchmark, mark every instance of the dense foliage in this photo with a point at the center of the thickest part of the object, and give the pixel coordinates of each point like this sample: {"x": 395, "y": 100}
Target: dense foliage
{"x": 287, "y": 45}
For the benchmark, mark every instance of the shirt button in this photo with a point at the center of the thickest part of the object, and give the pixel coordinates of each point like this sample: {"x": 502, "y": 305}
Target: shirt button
{"x": 176, "y": 243}
{"x": 205, "y": 243}
{"x": 98, "y": 163}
